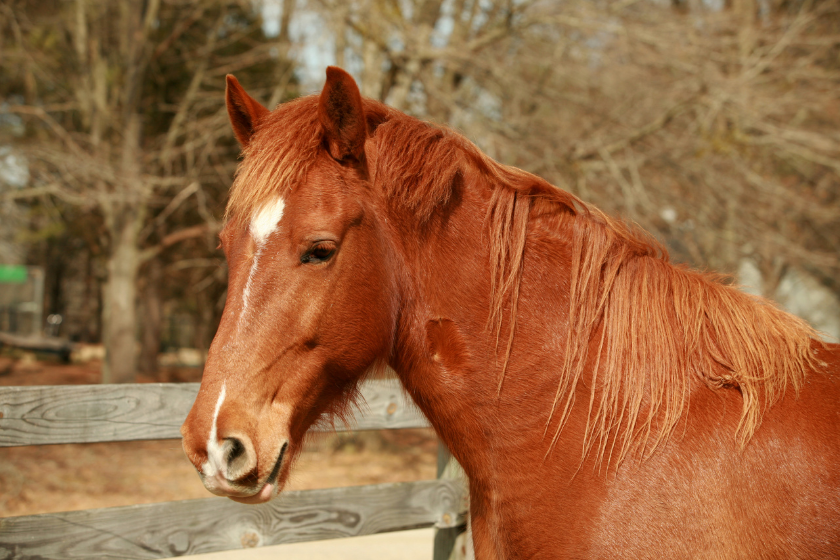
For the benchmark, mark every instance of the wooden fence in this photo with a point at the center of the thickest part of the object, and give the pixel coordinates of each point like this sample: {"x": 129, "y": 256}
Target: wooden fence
{"x": 99, "y": 413}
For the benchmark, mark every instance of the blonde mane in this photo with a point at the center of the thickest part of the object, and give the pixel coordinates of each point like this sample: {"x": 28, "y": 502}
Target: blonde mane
{"x": 649, "y": 326}
{"x": 660, "y": 326}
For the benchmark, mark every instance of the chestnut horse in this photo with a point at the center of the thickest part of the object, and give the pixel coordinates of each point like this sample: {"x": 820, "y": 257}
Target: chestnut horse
{"x": 604, "y": 402}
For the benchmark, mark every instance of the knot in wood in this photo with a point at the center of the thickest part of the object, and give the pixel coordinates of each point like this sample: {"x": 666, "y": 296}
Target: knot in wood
{"x": 249, "y": 540}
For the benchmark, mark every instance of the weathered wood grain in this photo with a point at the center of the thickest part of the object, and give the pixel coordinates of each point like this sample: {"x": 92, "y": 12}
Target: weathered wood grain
{"x": 450, "y": 533}
{"x": 215, "y": 524}
{"x": 95, "y": 413}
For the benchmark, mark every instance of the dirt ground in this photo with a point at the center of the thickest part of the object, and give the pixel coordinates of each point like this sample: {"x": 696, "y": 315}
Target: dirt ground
{"x": 52, "y": 478}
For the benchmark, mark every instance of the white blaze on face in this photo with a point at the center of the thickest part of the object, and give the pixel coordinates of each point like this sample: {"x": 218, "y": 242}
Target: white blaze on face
{"x": 215, "y": 452}
{"x": 265, "y": 220}
{"x": 263, "y": 224}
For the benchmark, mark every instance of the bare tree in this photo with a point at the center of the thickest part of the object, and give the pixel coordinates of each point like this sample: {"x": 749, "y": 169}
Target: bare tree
{"x": 715, "y": 128}
{"x": 127, "y": 120}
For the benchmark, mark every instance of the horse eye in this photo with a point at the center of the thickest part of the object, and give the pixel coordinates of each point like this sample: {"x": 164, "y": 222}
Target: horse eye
{"x": 320, "y": 252}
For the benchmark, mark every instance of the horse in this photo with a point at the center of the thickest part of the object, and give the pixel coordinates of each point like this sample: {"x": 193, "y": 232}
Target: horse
{"x": 603, "y": 401}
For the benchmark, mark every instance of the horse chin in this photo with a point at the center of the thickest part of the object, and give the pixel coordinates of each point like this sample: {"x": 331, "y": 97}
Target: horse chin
{"x": 272, "y": 485}
{"x": 267, "y": 492}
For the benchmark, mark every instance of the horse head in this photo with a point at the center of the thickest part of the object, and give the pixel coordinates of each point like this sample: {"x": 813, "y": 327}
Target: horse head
{"x": 311, "y": 302}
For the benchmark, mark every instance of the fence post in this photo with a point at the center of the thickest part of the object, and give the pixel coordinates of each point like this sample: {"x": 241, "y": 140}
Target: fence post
{"x": 451, "y": 542}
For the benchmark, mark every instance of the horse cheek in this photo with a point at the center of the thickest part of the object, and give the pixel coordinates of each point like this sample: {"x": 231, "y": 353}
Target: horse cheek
{"x": 370, "y": 312}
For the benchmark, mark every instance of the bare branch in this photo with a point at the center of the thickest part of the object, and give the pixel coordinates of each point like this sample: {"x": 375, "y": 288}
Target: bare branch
{"x": 49, "y": 121}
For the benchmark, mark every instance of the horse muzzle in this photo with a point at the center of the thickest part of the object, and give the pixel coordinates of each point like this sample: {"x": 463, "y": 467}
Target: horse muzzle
{"x": 220, "y": 477}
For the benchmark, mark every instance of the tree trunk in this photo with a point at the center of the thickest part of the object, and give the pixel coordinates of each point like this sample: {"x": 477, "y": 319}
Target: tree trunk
{"x": 371, "y": 83}
{"x": 124, "y": 217}
{"x": 152, "y": 319}
{"x": 120, "y": 294}
{"x": 745, "y": 12}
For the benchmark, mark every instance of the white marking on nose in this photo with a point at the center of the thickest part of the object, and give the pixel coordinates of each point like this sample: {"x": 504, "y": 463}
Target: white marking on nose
{"x": 215, "y": 452}
{"x": 263, "y": 224}
{"x": 246, "y": 293}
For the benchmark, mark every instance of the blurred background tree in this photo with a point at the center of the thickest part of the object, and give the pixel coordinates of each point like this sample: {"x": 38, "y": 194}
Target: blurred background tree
{"x": 128, "y": 146}
{"x": 712, "y": 123}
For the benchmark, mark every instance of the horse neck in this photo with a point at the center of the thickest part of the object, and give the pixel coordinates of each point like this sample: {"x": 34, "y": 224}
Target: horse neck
{"x": 451, "y": 351}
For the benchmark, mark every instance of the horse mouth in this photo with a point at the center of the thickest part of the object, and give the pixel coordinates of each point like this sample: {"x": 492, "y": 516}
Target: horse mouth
{"x": 269, "y": 489}
{"x": 272, "y": 478}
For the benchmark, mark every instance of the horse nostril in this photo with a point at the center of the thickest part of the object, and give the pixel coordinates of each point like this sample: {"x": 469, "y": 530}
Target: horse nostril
{"x": 235, "y": 449}
{"x": 237, "y": 455}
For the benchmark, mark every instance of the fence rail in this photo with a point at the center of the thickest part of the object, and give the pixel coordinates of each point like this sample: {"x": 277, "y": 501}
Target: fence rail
{"x": 96, "y": 413}
{"x": 99, "y": 413}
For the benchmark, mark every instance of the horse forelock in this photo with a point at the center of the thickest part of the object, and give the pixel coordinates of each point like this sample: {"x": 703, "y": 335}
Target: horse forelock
{"x": 280, "y": 154}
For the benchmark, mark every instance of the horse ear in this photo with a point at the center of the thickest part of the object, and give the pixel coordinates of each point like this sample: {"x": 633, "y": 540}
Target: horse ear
{"x": 244, "y": 111}
{"x": 342, "y": 116}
